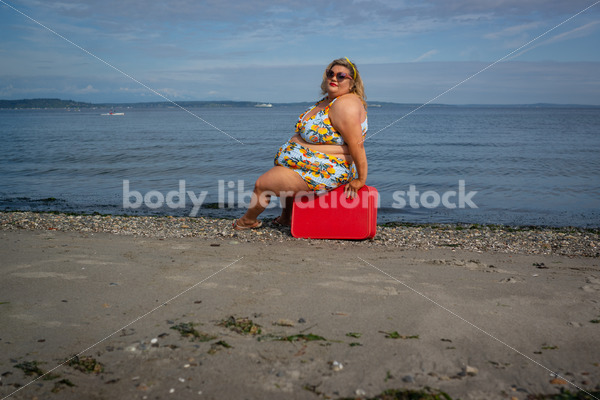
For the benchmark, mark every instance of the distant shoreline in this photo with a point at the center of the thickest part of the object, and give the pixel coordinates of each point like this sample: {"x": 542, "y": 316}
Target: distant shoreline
{"x": 47, "y": 103}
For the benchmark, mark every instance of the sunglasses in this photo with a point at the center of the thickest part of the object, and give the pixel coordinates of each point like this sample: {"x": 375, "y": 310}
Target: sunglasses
{"x": 340, "y": 75}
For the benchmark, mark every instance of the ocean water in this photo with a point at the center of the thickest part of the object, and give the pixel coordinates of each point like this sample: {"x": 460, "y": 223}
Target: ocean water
{"x": 503, "y": 165}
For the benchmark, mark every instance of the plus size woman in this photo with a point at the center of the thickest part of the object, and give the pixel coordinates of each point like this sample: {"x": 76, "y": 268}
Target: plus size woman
{"x": 327, "y": 150}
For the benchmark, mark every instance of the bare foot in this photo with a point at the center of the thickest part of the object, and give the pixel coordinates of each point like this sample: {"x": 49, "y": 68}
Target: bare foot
{"x": 281, "y": 221}
{"x": 239, "y": 227}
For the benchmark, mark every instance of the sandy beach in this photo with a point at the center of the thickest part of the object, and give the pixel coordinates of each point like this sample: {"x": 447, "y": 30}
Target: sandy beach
{"x": 166, "y": 311}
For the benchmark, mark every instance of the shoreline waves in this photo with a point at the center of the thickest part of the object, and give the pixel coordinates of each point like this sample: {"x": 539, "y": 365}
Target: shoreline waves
{"x": 566, "y": 241}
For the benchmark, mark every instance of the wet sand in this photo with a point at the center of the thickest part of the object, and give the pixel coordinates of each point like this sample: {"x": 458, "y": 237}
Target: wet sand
{"x": 328, "y": 319}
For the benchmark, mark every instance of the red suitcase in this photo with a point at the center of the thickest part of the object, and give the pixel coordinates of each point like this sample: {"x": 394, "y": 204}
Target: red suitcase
{"x": 333, "y": 216}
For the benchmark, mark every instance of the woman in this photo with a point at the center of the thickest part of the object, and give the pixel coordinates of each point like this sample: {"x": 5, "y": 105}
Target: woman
{"x": 327, "y": 150}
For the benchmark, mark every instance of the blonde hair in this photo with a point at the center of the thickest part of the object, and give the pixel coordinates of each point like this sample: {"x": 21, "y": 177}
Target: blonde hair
{"x": 357, "y": 85}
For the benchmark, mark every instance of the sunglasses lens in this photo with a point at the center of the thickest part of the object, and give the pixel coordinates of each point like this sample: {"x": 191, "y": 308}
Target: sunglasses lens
{"x": 340, "y": 75}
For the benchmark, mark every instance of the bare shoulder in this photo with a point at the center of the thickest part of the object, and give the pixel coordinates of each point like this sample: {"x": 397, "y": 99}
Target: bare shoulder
{"x": 347, "y": 113}
{"x": 348, "y": 101}
{"x": 349, "y": 104}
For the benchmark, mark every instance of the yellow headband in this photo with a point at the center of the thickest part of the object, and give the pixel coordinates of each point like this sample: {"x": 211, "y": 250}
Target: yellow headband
{"x": 354, "y": 69}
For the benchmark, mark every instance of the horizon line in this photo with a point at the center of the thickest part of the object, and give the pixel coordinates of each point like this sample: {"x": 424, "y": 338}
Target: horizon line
{"x": 253, "y": 102}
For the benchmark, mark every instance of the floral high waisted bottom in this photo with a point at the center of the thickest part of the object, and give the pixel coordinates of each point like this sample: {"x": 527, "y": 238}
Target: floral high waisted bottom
{"x": 320, "y": 171}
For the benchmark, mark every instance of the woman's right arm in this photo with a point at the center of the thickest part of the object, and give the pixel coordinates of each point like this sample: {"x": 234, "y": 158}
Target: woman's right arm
{"x": 346, "y": 115}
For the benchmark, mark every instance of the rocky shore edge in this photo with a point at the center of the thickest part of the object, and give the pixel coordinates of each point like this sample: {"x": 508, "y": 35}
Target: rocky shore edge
{"x": 566, "y": 241}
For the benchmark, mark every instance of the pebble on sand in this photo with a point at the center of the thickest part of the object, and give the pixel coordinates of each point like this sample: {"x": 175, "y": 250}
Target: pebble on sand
{"x": 567, "y": 241}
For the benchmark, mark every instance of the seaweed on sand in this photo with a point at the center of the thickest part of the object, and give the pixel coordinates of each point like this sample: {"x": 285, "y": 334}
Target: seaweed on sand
{"x": 565, "y": 395}
{"x": 87, "y": 364}
{"x": 31, "y": 368}
{"x": 291, "y": 338}
{"x": 186, "y": 329}
{"x": 243, "y": 326}
{"x": 405, "y": 394}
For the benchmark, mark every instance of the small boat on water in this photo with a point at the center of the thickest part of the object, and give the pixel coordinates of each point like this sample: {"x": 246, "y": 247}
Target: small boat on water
{"x": 264, "y": 105}
{"x": 113, "y": 113}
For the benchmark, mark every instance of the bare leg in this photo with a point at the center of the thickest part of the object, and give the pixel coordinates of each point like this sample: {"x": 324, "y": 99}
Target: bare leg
{"x": 273, "y": 182}
{"x": 287, "y": 203}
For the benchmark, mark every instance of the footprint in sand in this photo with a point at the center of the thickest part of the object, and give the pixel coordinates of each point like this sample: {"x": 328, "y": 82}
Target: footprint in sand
{"x": 512, "y": 279}
{"x": 472, "y": 265}
{"x": 592, "y": 284}
{"x": 47, "y": 274}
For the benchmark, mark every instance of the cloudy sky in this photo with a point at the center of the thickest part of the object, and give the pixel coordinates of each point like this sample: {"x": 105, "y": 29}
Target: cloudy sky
{"x": 275, "y": 51}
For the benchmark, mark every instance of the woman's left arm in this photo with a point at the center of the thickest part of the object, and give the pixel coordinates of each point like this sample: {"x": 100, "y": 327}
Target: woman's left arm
{"x": 346, "y": 115}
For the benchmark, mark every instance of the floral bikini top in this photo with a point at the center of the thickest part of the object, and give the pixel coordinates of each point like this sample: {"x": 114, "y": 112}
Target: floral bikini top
{"x": 318, "y": 128}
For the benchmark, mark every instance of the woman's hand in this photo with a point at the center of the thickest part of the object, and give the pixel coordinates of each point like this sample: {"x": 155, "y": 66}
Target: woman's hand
{"x": 352, "y": 188}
